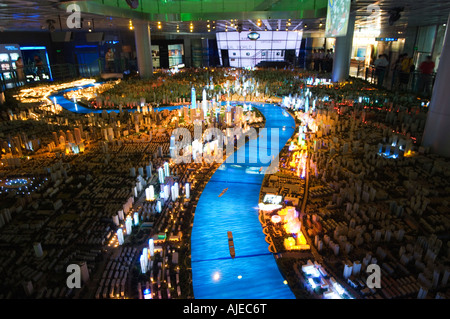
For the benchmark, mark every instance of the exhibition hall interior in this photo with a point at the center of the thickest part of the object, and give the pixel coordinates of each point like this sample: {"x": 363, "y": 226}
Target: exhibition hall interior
{"x": 224, "y": 149}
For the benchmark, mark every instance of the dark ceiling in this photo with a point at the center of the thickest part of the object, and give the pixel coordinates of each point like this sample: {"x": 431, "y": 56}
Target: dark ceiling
{"x": 306, "y": 15}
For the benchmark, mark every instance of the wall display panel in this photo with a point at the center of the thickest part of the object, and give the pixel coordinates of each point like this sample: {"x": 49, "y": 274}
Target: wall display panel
{"x": 338, "y": 12}
{"x": 176, "y": 52}
{"x": 156, "y": 56}
{"x": 9, "y": 53}
{"x": 263, "y": 45}
{"x": 4, "y": 57}
{"x": 269, "y": 47}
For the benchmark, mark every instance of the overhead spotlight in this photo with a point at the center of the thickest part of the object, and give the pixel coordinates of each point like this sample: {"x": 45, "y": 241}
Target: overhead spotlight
{"x": 306, "y": 25}
{"x": 130, "y": 25}
{"x": 133, "y": 4}
{"x": 320, "y": 23}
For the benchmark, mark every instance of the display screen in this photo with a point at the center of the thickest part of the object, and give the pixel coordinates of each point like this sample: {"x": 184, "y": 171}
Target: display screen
{"x": 272, "y": 199}
{"x": 241, "y": 51}
{"x": 361, "y": 53}
{"x": 155, "y": 56}
{"x": 14, "y": 56}
{"x": 5, "y": 66}
{"x": 337, "y": 18}
{"x": 4, "y": 57}
{"x": 175, "y": 54}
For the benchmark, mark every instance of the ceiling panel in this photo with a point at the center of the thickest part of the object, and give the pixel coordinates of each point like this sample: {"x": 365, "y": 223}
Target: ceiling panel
{"x": 19, "y": 15}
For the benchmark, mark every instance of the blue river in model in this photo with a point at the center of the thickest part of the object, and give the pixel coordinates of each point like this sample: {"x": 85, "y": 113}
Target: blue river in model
{"x": 253, "y": 273}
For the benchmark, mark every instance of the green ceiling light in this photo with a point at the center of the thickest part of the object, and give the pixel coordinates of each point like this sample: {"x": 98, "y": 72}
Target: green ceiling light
{"x": 193, "y": 10}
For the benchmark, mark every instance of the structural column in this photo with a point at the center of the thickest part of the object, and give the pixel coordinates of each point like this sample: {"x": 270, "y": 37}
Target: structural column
{"x": 187, "y": 52}
{"x": 341, "y": 62}
{"x": 143, "y": 49}
{"x": 436, "y": 134}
